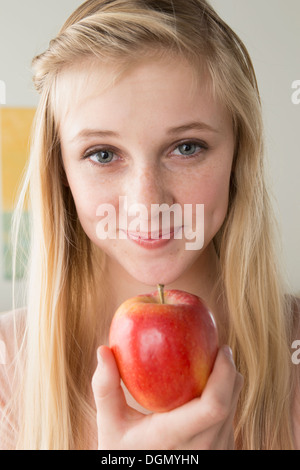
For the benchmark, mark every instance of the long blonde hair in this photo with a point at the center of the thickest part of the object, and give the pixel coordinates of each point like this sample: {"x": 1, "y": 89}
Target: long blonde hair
{"x": 60, "y": 316}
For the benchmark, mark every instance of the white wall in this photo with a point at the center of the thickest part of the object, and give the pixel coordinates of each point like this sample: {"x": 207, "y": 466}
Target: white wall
{"x": 26, "y": 27}
{"x": 270, "y": 30}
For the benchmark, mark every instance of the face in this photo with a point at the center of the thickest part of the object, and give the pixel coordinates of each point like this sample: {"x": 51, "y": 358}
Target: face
{"x": 153, "y": 137}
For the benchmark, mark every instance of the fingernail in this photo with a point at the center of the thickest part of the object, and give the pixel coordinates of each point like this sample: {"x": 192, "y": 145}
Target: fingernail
{"x": 228, "y": 352}
{"x": 99, "y": 358}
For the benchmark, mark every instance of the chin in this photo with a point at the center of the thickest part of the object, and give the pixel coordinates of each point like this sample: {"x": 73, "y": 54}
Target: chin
{"x": 158, "y": 273}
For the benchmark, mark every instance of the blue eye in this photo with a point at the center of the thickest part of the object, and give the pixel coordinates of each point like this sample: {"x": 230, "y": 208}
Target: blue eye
{"x": 102, "y": 156}
{"x": 188, "y": 149}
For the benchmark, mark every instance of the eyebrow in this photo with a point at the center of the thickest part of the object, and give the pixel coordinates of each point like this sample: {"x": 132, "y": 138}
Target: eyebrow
{"x": 192, "y": 126}
{"x": 88, "y": 133}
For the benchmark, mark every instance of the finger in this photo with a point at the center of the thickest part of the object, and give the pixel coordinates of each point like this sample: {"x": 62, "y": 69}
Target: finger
{"x": 215, "y": 404}
{"x": 226, "y": 432}
{"x": 218, "y": 437}
{"x": 108, "y": 393}
{"x": 222, "y": 388}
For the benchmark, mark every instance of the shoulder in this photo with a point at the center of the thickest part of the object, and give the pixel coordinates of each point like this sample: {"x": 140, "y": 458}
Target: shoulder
{"x": 296, "y": 325}
{"x": 296, "y": 333}
{"x": 12, "y": 328}
{"x": 12, "y": 322}
{"x": 296, "y": 365}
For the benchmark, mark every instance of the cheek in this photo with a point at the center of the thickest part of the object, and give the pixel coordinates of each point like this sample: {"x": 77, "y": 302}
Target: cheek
{"x": 84, "y": 198}
{"x": 87, "y": 198}
{"x": 216, "y": 203}
{"x": 212, "y": 190}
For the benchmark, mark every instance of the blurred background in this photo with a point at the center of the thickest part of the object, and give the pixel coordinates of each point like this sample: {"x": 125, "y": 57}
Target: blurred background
{"x": 271, "y": 33}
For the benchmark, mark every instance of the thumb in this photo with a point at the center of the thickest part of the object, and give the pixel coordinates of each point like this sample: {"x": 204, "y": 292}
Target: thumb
{"x": 108, "y": 393}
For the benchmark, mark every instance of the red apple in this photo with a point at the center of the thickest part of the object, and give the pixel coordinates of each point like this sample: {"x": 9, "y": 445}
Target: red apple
{"x": 165, "y": 345}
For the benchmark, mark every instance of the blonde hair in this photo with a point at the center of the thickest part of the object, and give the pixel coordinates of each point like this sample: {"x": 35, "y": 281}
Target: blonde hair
{"x": 61, "y": 319}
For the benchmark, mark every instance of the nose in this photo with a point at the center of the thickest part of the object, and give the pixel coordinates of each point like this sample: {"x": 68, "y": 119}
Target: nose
{"x": 149, "y": 184}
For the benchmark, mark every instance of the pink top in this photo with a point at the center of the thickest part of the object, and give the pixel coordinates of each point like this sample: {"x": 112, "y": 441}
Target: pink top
{"x": 9, "y": 347}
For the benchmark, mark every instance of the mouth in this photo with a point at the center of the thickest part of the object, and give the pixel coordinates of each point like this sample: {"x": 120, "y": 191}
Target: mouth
{"x": 152, "y": 240}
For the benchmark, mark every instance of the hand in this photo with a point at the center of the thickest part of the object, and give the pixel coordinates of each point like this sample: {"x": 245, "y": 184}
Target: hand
{"x": 202, "y": 423}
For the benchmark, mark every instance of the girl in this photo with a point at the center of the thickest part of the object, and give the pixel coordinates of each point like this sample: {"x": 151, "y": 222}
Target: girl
{"x": 155, "y": 101}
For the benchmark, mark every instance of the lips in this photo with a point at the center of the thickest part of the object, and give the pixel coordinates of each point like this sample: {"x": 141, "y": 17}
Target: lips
{"x": 151, "y": 236}
{"x": 152, "y": 240}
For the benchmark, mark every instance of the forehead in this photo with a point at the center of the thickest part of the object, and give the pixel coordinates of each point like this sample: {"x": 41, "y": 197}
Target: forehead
{"x": 157, "y": 89}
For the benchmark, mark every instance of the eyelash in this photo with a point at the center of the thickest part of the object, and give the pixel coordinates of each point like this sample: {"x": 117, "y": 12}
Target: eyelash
{"x": 197, "y": 143}
{"x": 87, "y": 155}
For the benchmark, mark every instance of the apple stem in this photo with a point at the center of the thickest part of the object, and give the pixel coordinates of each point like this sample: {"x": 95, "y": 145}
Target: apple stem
{"x": 161, "y": 293}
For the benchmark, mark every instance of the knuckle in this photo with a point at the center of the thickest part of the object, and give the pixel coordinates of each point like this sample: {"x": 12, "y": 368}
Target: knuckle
{"x": 94, "y": 383}
{"x": 216, "y": 411}
{"x": 95, "y": 380}
{"x": 99, "y": 386}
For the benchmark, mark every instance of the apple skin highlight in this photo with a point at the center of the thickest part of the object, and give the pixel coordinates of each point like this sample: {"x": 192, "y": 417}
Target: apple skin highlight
{"x": 165, "y": 352}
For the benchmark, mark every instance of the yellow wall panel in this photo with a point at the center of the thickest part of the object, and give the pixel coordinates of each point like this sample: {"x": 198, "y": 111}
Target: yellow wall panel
{"x": 15, "y": 132}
